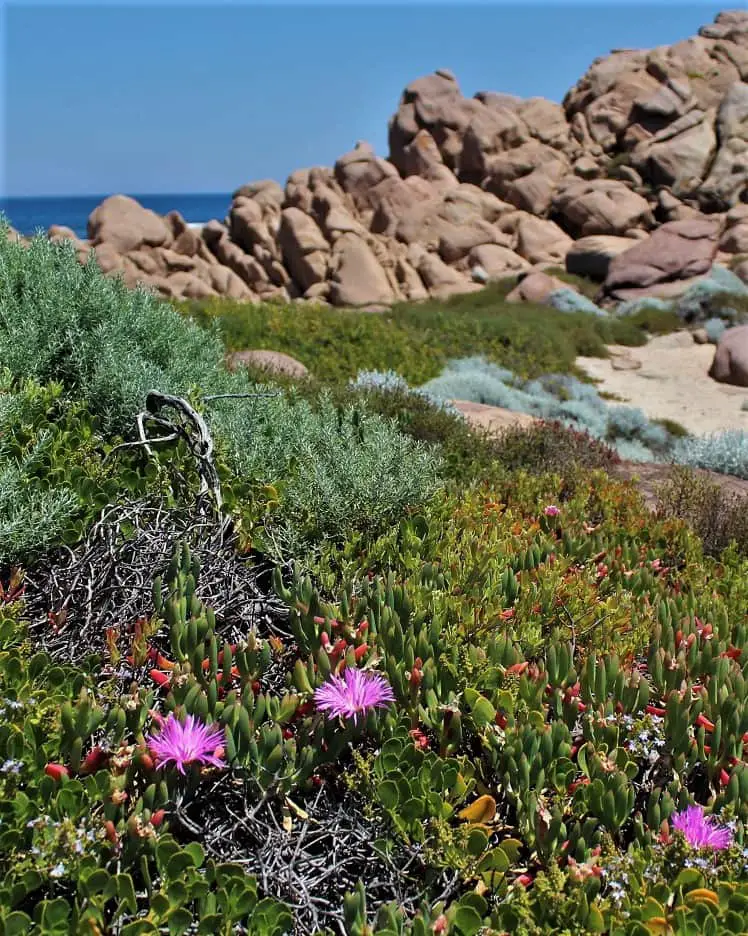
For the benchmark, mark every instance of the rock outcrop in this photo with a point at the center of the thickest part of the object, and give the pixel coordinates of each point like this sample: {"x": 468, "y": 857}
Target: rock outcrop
{"x": 638, "y": 179}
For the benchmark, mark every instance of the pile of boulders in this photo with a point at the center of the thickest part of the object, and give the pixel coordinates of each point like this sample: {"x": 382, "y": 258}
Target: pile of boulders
{"x": 638, "y": 181}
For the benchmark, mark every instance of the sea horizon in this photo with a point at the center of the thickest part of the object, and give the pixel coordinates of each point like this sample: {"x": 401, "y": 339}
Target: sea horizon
{"x": 29, "y": 214}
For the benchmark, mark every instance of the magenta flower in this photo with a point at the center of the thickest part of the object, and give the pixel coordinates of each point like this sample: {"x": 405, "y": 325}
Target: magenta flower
{"x": 355, "y": 693}
{"x": 702, "y": 831}
{"x": 551, "y": 510}
{"x": 188, "y": 742}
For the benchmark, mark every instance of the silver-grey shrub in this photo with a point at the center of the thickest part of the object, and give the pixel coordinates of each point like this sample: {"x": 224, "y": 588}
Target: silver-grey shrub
{"x": 724, "y": 452}
{"x": 109, "y": 345}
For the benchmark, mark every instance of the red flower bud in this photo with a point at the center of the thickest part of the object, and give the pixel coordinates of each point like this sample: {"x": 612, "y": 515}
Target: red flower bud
{"x": 360, "y": 651}
{"x": 158, "y": 817}
{"x": 161, "y": 679}
{"x": 56, "y": 771}
{"x": 655, "y": 710}
{"x": 94, "y": 760}
{"x": 703, "y": 722}
{"x": 517, "y": 668}
{"x": 525, "y": 880}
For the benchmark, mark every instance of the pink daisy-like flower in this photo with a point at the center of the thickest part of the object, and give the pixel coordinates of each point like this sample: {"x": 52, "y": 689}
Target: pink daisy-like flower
{"x": 355, "y": 693}
{"x": 188, "y": 742}
{"x": 702, "y": 831}
{"x": 551, "y": 510}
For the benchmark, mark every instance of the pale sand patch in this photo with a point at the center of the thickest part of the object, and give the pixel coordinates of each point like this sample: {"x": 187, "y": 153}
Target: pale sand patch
{"x": 672, "y": 383}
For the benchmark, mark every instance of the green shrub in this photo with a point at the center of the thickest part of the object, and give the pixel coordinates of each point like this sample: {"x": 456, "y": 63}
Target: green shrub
{"x": 417, "y": 339}
{"x": 553, "y": 448}
{"x": 106, "y": 344}
{"x": 718, "y": 517}
{"x": 337, "y": 469}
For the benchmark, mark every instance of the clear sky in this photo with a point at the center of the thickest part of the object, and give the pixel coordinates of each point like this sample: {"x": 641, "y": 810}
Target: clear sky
{"x": 171, "y": 97}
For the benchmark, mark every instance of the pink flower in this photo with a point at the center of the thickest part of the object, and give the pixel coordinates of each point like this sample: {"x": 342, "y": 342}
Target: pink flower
{"x": 356, "y": 693}
{"x": 188, "y": 742}
{"x": 702, "y": 831}
{"x": 551, "y": 510}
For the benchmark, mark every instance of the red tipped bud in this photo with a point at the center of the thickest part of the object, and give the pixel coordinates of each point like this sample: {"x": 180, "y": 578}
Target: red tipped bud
{"x": 56, "y": 771}
{"x": 94, "y": 760}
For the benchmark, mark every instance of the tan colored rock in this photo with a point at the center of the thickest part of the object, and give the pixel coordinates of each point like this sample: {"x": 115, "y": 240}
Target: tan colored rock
{"x": 59, "y": 233}
{"x": 599, "y": 206}
{"x": 677, "y": 251}
{"x": 590, "y": 256}
{"x": 535, "y": 286}
{"x": 680, "y": 154}
{"x": 730, "y": 364}
{"x": 527, "y": 176}
{"x": 497, "y": 261}
{"x": 305, "y": 250}
{"x": 108, "y": 258}
{"x": 735, "y": 237}
{"x": 229, "y": 284}
{"x": 401, "y": 206}
{"x": 727, "y": 181}
{"x": 441, "y": 280}
{"x": 457, "y": 240}
{"x": 539, "y": 240}
{"x": 409, "y": 282}
{"x": 273, "y": 361}
{"x": 671, "y": 208}
{"x": 360, "y": 170}
{"x": 123, "y": 224}
{"x": 546, "y": 121}
{"x": 267, "y": 193}
{"x": 493, "y": 419}
{"x": 492, "y": 130}
{"x": 432, "y": 103}
{"x": 421, "y": 157}
{"x": 251, "y": 224}
{"x": 184, "y": 285}
{"x": 356, "y": 275}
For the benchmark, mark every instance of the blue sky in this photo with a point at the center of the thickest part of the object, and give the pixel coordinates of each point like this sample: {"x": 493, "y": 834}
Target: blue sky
{"x": 105, "y": 97}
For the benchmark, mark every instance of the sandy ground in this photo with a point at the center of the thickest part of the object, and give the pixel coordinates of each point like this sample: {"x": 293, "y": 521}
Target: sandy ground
{"x": 672, "y": 383}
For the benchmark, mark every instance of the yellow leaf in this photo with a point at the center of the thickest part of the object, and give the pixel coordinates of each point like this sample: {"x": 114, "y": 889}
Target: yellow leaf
{"x": 659, "y": 926}
{"x": 701, "y": 895}
{"x": 482, "y": 810}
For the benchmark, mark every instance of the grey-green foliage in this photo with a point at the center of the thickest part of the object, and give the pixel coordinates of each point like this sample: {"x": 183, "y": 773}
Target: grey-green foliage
{"x": 32, "y": 518}
{"x": 341, "y": 470}
{"x": 109, "y": 345}
{"x": 725, "y": 452}
{"x": 569, "y": 300}
{"x": 554, "y": 397}
{"x": 715, "y": 328}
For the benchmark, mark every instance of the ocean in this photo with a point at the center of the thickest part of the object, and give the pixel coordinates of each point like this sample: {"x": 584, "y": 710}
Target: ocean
{"x": 28, "y": 215}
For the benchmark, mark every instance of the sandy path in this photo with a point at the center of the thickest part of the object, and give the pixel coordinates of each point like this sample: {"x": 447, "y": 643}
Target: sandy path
{"x": 672, "y": 383}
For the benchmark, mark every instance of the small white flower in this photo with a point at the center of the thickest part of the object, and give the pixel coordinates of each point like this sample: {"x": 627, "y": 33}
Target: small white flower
{"x": 58, "y": 870}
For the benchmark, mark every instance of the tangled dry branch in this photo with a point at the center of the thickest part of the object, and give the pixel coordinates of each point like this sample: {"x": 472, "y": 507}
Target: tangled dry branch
{"x": 321, "y": 852}
{"x": 72, "y": 597}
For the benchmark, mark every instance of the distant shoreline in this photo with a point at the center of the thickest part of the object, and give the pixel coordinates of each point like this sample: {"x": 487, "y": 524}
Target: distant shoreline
{"x": 30, "y": 214}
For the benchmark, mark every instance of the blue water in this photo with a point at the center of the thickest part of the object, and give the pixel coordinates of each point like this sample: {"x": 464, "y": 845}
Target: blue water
{"x": 28, "y": 215}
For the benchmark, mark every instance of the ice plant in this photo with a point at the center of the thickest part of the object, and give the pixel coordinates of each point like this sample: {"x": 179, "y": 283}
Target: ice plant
{"x": 702, "y": 831}
{"x": 188, "y": 742}
{"x": 355, "y": 693}
{"x": 551, "y": 510}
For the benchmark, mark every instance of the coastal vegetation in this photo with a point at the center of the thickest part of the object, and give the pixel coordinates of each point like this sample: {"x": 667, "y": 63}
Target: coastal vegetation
{"x": 313, "y": 656}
